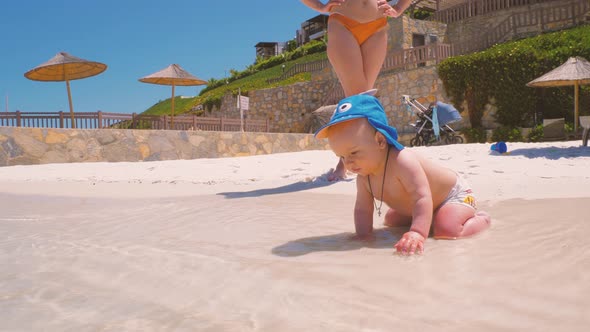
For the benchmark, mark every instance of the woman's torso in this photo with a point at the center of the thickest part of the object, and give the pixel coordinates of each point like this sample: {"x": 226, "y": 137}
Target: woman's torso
{"x": 359, "y": 10}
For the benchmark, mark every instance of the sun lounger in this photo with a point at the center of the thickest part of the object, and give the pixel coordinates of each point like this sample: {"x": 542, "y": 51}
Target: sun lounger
{"x": 554, "y": 129}
{"x": 585, "y": 123}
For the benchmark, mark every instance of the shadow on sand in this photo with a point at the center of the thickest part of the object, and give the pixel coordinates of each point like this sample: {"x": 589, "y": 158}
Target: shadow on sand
{"x": 551, "y": 152}
{"x": 318, "y": 182}
{"x": 385, "y": 238}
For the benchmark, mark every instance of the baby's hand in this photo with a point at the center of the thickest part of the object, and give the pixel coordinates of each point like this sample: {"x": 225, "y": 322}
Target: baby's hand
{"x": 410, "y": 243}
{"x": 387, "y": 9}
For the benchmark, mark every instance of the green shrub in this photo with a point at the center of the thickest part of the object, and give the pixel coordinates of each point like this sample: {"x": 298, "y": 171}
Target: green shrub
{"x": 474, "y": 135}
{"x": 507, "y": 134}
{"x": 502, "y": 71}
{"x": 536, "y": 134}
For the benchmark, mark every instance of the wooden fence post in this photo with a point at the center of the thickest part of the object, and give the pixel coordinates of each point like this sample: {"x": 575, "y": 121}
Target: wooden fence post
{"x": 221, "y": 124}
{"x": 133, "y": 120}
{"x": 194, "y": 122}
{"x": 99, "y": 116}
{"x": 18, "y": 119}
{"x": 513, "y": 22}
{"x": 61, "y": 119}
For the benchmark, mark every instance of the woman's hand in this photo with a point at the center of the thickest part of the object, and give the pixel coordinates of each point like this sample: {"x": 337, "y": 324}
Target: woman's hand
{"x": 330, "y": 5}
{"x": 412, "y": 242}
{"x": 387, "y": 9}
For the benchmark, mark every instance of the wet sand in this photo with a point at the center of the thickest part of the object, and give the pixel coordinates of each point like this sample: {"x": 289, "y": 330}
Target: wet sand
{"x": 212, "y": 263}
{"x": 261, "y": 244}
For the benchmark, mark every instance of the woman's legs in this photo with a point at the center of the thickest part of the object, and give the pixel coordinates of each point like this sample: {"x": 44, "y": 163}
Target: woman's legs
{"x": 453, "y": 221}
{"x": 357, "y": 66}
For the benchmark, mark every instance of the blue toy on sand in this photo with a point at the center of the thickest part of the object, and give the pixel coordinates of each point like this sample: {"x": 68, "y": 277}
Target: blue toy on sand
{"x": 499, "y": 147}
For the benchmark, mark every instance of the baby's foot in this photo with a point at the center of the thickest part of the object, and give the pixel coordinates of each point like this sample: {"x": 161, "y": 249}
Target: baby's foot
{"x": 485, "y": 216}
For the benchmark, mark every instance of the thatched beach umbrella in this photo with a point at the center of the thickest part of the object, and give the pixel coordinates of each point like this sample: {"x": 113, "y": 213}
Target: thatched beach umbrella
{"x": 575, "y": 71}
{"x": 65, "y": 67}
{"x": 172, "y": 75}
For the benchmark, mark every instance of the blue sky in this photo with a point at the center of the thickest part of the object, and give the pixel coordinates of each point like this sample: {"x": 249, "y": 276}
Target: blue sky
{"x": 134, "y": 38}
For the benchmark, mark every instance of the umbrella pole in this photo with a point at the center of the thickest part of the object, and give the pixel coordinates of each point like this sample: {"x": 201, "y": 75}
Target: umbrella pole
{"x": 172, "y": 119}
{"x": 576, "y": 101}
{"x": 71, "y": 106}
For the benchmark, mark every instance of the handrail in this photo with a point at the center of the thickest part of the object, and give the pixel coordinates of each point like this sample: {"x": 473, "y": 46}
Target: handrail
{"x": 570, "y": 14}
{"x": 471, "y": 8}
{"x": 105, "y": 120}
{"x": 301, "y": 68}
{"x": 398, "y": 59}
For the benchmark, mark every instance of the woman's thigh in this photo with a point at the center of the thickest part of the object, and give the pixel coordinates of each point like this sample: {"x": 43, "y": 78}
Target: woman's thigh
{"x": 347, "y": 59}
{"x": 373, "y": 52}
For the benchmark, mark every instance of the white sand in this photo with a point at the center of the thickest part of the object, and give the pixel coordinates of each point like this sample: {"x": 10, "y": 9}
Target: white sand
{"x": 260, "y": 244}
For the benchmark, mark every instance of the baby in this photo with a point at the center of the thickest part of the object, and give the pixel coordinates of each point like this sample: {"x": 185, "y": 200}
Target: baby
{"x": 357, "y": 44}
{"x": 418, "y": 192}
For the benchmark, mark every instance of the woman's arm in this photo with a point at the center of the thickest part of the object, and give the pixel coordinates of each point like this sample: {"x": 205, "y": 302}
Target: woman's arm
{"x": 320, "y": 7}
{"x": 395, "y": 10}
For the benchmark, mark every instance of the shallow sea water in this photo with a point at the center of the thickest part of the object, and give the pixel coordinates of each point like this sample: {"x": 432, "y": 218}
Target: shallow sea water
{"x": 283, "y": 262}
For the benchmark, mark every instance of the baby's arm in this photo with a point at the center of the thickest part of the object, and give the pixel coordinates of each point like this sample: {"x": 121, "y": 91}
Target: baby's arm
{"x": 363, "y": 210}
{"x": 412, "y": 176}
{"x": 320, "y": 7}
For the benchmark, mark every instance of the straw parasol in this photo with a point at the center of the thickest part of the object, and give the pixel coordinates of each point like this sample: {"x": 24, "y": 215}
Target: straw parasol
{"x": 172, "y": 75}
{"x": 65, "y": 67}
{"x": 575, "y": 71}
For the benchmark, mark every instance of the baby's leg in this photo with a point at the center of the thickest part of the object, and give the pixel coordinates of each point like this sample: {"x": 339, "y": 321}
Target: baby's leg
{"x": 453, "y": 221}
{"x": 394, "y": 219}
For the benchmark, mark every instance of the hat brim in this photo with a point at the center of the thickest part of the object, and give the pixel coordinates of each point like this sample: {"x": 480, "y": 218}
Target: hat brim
{"x": 323, "y": 131}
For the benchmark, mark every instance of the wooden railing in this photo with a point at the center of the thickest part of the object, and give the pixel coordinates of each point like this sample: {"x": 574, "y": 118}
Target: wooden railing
{"x": 544, "y": 18}
{"x": 471, "y": 8}
{"x": 400, "y": 59}
{"x": 100, "y": 120}
{"x": 301, "y": 68}
{"x": 417, "y": 56}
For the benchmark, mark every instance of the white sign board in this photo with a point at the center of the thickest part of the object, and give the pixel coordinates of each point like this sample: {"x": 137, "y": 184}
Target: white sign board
{"x": 243, "y": 103}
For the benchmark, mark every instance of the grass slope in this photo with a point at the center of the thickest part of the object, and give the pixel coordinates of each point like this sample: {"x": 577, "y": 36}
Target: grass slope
{"x": 256, "y": 81}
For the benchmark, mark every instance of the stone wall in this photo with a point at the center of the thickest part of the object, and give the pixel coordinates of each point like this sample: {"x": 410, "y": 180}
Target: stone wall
{"x": 26, "y": 146}
{"x": 290, "y": 108}
{"x": 401, "y": 32}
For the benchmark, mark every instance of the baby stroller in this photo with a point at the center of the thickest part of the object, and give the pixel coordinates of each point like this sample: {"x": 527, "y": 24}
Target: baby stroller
{"x": 432, "y": 126}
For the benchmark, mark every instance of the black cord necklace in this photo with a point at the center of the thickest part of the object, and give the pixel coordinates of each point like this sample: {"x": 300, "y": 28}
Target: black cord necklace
{"x": 382, "y": 185}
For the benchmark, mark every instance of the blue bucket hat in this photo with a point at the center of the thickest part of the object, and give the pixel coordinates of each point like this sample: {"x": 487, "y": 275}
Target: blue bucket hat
{"x": 362, "y": 106}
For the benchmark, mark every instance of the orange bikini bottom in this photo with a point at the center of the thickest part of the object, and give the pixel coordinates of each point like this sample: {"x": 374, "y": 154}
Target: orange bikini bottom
{"x": 360, "y": 31}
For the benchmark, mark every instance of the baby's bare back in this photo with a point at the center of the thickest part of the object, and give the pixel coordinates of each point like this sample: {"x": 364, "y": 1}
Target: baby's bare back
{"x": 359, "y": 10}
